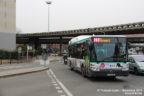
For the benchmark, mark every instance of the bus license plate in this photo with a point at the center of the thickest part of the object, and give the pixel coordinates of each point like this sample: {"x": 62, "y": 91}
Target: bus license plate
{"x": 110, "y": 74}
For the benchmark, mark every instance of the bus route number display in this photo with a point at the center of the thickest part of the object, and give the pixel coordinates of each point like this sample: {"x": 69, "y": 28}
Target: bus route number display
{"x": 97, "y": 40}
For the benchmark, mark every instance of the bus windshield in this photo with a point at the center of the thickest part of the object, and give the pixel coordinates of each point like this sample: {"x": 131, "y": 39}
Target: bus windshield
{"x": 112, "y": 51}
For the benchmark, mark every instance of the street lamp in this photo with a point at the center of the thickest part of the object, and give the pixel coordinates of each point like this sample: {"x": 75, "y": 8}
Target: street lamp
{"x": 48, "y": 2}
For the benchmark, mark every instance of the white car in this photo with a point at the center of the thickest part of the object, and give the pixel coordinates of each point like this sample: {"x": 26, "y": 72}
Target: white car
{"x": 136, "y": 64}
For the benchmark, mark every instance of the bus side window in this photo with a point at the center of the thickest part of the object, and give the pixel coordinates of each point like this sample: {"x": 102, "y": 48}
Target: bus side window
{"x": 72, "y": 52}
{"x": 92, "y": 55}
{"x": 79, "y": 52}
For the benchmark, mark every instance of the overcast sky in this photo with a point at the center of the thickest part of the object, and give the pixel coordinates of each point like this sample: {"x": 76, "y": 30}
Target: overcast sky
{"x": 32, "y": 15}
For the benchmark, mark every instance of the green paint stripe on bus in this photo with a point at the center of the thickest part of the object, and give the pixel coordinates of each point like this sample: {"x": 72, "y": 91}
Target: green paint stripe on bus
{"x": 79, "y": 41}
{"x": 87, "y": 61}
{"x": 109, "y": 62}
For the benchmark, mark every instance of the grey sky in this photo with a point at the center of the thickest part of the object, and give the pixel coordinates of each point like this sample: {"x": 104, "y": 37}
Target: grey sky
{"x": 32, "y": 15}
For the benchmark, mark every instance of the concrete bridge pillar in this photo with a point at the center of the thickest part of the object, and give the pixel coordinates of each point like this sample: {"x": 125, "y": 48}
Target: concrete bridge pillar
{"x": 61, "y": 45}
{"x": 36, "y": 43}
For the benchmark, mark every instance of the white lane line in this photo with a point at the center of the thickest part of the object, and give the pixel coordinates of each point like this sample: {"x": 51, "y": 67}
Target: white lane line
{"x": 55, "y": 84}
{"x": 60, "y": 91}
{"x": 58, "y": 88}
{"x": 60, "y": 83}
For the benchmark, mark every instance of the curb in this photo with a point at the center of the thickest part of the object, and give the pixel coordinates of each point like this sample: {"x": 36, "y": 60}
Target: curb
{"x": 11, "y": 73}
{"x": 23, "y": 73}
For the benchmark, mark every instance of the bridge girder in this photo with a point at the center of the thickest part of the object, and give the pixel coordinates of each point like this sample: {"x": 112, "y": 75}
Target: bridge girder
{"x": 132, "y": 28}
{"x": 54, "y": 37}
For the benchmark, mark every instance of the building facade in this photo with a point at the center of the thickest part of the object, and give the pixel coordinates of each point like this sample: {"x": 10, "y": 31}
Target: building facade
{"x": 7, "y": 24}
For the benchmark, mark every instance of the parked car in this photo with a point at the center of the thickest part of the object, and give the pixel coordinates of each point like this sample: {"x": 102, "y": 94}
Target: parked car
{"x": 136, "y": 63}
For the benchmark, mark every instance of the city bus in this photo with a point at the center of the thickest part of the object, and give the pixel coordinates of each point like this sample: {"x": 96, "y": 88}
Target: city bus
{"x": 99, "y": 55}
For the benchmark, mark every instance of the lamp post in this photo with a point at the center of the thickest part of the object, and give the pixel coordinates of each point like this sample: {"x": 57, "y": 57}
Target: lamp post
{"x": 48, "y": 2}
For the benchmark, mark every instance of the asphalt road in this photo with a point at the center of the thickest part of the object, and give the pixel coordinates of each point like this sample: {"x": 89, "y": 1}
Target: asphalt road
{"x": 80, "y": 86}
{"x": 36, "y": 84}
{"x": 61, "y": 81}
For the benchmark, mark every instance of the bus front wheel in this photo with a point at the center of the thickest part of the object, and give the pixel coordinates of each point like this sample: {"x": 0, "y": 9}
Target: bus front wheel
{"x": 71, "y": 68}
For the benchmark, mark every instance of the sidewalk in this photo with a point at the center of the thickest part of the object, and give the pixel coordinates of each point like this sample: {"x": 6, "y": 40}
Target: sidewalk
{"x": 16, "y": 72}
{"x": 51, "y": 58}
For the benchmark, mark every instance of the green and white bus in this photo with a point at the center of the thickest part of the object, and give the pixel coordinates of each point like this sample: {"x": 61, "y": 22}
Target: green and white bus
{"x": 99, "y": 55}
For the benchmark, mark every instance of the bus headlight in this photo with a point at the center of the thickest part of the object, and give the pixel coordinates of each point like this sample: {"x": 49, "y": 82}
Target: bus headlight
{"x": 125, "y": 67}
{"x": 94, "y": 67}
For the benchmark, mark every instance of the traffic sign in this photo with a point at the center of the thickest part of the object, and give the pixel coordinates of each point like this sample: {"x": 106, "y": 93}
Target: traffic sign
{"x": 43, "y": 46}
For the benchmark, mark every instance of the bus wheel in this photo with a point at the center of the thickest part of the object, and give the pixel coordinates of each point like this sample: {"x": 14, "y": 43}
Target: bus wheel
{"x": 71, "y": 68}
{"x": 83, "y": 71}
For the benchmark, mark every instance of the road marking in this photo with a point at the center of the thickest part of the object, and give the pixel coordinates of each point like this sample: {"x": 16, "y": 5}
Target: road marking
{"x": 60, "y": 91}
{"x": 58, "y": 88}
{"x": 55, "y": 84}
{"x": 60, "y": 83}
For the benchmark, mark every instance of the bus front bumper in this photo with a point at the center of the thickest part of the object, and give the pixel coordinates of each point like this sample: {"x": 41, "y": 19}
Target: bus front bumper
{"x": 103, "y": 73}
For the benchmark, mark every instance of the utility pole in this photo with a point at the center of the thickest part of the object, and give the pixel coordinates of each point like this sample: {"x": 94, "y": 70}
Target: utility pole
{"x": 48, "y": 2}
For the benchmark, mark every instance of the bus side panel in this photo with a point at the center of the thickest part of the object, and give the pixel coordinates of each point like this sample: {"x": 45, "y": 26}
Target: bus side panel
{"x": 76, "y": 63}
{"x": 71, "y": 62}
{"x": 79, "y": 63}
